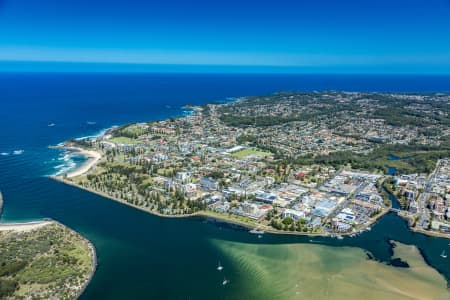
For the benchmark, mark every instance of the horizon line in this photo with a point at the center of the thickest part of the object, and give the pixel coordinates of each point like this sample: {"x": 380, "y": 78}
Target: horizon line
{"x": 16, "y": 66}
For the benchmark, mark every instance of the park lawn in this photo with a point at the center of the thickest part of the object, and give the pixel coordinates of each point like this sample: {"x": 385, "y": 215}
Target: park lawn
{"x": 133, "y": 130}
{"x": 250, "y": 151}
{"x": 123, "y": 140}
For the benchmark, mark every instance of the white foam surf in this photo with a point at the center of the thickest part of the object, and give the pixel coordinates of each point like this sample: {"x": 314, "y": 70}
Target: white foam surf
{"x": 18, "y": 152}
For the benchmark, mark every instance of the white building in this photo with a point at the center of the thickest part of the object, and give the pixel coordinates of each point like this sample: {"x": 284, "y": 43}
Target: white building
{"x": 294, "y": 214}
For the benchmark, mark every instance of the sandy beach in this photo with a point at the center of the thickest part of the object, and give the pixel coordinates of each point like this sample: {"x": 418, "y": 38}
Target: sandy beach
{"x": 23, "y": 226}
{"x": 20, "y": 226}
{"x": 93, "y": 158}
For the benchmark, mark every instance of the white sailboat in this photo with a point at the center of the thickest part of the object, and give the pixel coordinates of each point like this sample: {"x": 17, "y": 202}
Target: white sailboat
{"x": 443, "y": 254}
{"x": 225, "y": 281}
{"x": 219, "y": 267}
{"x": 256, "y": 231}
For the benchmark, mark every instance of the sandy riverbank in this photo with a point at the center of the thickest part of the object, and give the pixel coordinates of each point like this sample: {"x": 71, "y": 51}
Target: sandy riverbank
{"x": 431, "y": 233}
{"x": 21, "y": 227}
{"x": 93, "y": 158}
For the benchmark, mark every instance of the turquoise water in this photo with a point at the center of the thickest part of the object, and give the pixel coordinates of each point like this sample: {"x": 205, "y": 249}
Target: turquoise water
{"x": 140, "y": 255}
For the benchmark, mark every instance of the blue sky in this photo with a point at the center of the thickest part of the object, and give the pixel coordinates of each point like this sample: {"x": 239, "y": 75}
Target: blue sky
{"x": 361, "y": 36}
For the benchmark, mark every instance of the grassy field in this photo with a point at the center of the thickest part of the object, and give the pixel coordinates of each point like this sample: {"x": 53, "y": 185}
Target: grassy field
{"x": 123, "y": 140}
{"x": 133, "y": 130}
{"x": 250, "y": 151}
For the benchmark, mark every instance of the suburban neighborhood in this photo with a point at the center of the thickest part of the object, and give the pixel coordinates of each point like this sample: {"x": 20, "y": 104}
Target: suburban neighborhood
{"x": 285, "y": 162}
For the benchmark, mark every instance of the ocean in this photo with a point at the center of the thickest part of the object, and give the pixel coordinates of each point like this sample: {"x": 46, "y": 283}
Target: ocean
{"x": 143, "y": 256}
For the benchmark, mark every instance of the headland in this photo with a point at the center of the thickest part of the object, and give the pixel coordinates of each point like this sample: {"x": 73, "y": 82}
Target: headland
{"x": 44, "y": 259}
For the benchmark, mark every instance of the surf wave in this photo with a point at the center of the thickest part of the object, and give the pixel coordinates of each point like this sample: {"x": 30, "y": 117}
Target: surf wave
{"x": 95, "y": 135}
{"x": 66, "y": 162}
{"x": 18, "y": 152}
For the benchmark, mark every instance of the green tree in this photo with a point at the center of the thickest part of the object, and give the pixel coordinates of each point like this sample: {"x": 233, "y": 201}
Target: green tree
{"x": 288, "y": 221}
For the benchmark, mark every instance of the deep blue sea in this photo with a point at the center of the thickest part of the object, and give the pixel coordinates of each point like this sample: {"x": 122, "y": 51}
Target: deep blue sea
{"x": 131, "y": 242}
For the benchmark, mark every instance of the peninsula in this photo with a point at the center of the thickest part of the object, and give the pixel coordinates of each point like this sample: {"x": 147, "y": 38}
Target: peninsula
{"x": 43, "y": 260}
{"x": 320, "y": 163}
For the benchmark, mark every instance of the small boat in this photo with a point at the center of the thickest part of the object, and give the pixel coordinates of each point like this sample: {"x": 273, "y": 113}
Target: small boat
{"x": 339, "y": 237}
{"x": 260, "y": 236}
{"x": 219, "y": 267}
{"x": 256, "y": 231}
{"x": 225, "y": 281}
{"x": 51, "y": 124}
{"x": 368, "y": 228}
{"x": 443, "y": 254}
